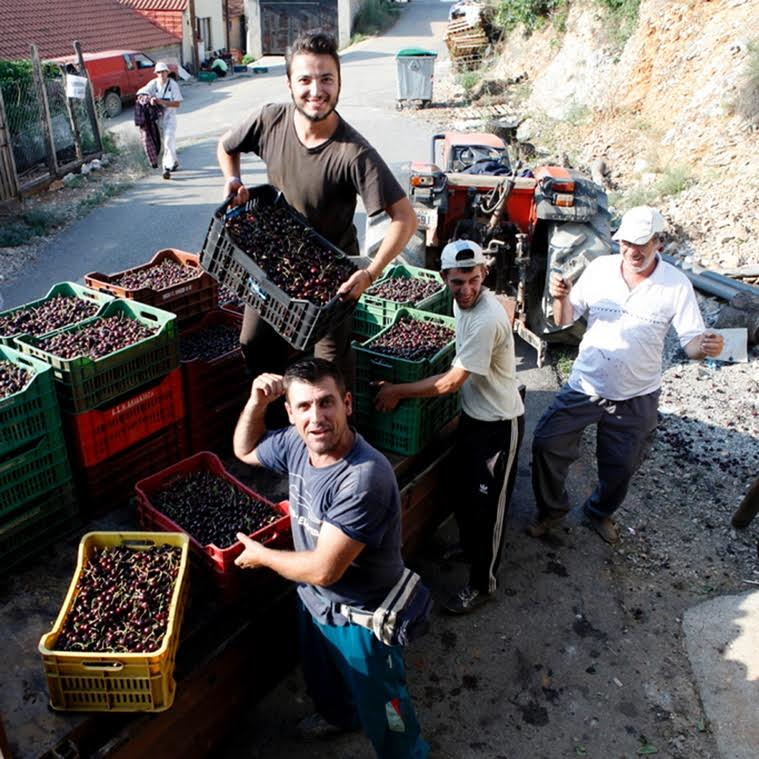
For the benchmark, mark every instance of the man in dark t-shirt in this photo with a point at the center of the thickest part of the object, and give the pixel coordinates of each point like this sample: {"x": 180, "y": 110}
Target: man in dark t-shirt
{"x": 322, "y": 165}
{"x": 346, "y": 523}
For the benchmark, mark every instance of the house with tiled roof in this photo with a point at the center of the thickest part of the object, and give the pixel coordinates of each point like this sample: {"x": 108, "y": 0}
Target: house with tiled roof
{"x": 217, "y": 23}
{"x": 98, "y": 24}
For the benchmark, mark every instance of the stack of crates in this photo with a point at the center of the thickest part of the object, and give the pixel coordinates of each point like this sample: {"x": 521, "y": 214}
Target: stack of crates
{"x": 215, "y": 388}
{"x": 413, "y": 423}
{"x": 189, "y": 300}
{"x": 37, "y": 503}
{"x": 374, "y": 313}
{"x": 124, "y": 412}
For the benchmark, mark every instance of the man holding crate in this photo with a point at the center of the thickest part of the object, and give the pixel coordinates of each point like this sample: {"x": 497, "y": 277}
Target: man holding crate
{"x": 492, "y": 421}
{"x": 346, "y": 523}
{"x": 321, "y": 164}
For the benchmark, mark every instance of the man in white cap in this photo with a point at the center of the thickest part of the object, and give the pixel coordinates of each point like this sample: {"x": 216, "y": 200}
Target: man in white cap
{"x": 492, "y": 421}
{"x": 164, "y": 91}
{"x": 630, "y": 300}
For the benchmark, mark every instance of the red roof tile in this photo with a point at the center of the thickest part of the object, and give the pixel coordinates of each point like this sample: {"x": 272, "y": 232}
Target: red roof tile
{"x": 236, "y": 8}
{"x": 53, "y": 26}
{"x": 157, "y": 5}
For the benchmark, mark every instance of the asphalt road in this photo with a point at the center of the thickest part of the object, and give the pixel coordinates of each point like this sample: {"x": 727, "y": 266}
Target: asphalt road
{"x": 158, "y": 214}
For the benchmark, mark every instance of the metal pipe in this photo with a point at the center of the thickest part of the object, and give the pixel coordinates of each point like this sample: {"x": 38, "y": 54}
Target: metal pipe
{"x": 723, "y": 290}
{"x": 737, "y": 284}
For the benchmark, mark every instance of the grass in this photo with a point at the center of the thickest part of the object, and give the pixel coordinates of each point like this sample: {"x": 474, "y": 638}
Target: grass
{"x": 468, "y": 80}
{"x": 563, "y": 358}
{"x": 374, "y": 17}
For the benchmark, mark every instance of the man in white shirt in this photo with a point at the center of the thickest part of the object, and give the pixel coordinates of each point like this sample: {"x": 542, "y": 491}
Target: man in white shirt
{"x": 492, "y": 421}
{"x": 164, "y": 91}
{"x": 631, "y": 300}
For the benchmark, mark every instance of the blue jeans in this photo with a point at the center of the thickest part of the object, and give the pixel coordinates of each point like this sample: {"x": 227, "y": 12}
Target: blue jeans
{"x": 355, "y": 679}
{"x": 623, "y": 432}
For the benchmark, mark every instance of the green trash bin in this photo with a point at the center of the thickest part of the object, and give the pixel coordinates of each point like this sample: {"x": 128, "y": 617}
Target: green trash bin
{"x": 415, "y": 68}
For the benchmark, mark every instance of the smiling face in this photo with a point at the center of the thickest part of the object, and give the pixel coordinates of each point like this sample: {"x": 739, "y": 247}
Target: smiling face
{"x": 465, "y": 284}
{"x": 639, "y": 259}
{"x": 320, "y": 414}
{"x": 314, "y": 84}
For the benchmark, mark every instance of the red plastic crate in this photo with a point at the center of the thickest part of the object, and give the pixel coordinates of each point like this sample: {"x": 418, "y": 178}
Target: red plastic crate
{"x": 96, "y": 435}
{"x": 220, "y": 560}
{"x": 188, "y": 300}
{"x": 110, "y": 484}
{"x": 210, "y": 428}
{"x": 215, "y": 390}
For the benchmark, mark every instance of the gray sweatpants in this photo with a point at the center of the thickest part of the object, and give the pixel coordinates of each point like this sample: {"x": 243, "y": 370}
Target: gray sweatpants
{"x": 624, "y": 431}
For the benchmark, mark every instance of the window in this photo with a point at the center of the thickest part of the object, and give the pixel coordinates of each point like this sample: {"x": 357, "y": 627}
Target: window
{"x": 128, "y": 61}
{"x": 203, "y": 30}
{"x": 143, "y": 62}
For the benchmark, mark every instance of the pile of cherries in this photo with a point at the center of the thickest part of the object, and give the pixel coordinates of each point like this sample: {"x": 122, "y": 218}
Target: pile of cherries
{"x": 211, "y": 509}
{"x": 230, "y": 300}
{"x": 59, "y": 311}
{"x": 412, "y": 339}
{"x": 293, "y": 258}
{"x": 165, "y": 274}
{"x": 99, "y": 338}
{"x": 404, "y": 289}
{"x": 13, "y": 378}
{"x": 122, "y": 601}
{"x": 208, "y": 343}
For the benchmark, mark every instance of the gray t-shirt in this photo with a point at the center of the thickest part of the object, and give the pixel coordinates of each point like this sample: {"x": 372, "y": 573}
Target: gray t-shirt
{"x": 358, "y": 495}
{"x": 322, "y": 182}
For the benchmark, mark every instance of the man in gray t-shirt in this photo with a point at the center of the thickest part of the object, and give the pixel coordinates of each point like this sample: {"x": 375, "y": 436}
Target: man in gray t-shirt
{"x": 321, "y": 165}
{"x": 346, "y": 522}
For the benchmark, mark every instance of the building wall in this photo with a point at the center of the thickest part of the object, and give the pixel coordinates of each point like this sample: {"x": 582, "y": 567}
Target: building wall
{"x": 214, "y": 10}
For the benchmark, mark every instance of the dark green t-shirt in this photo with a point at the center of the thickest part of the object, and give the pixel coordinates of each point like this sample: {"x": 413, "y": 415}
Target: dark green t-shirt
{"x": 322, "y": 182}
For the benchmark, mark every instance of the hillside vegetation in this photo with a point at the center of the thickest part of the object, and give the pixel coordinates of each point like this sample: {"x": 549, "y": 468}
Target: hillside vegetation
{"x": 666, "y": 93}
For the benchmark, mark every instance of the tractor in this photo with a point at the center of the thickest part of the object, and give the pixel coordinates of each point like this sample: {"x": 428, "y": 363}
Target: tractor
{"x": 528, "y": 221}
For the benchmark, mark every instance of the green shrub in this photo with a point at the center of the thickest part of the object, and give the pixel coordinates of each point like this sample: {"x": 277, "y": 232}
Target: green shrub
{"x": 375, "y": 16}
{"x": 246, "y": 59}
{"x": 747, "y": 104}
{"x": 468, "y": 80}
{"x": 532, "y": 14}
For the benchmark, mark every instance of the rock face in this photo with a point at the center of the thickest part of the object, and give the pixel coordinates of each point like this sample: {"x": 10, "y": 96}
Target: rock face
{"x": 668, "y": 100}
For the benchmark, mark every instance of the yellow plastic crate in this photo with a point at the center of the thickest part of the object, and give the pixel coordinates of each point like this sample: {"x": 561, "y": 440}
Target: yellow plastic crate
{"x": 117, "y": 682}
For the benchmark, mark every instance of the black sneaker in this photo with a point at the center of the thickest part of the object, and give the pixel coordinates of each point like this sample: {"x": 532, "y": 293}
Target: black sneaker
{"x": 467, "y": 600}
{"x": 166, "y": 174}
{"x": 316, "y": 727}
{"x": 175, "y": 167}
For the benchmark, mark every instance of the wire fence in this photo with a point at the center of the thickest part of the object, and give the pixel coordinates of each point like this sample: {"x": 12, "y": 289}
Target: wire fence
{"x": 46, "y": 131}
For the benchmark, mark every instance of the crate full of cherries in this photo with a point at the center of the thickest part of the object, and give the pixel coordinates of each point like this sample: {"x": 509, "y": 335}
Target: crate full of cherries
{"x": 199, "y": 497}
{"x": 266, "y": 253}
{"x": 113, "y": 646}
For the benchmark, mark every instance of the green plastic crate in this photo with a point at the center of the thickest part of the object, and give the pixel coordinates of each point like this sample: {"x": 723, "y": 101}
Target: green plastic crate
{"x": 42, "y": 522}
{"x": 410, "y": 426}
{"x": 31, "y": 412}
{"x": 84, "y": 383}
{"x": 62, "y": 288}
{"x": 31, "y": 472}
{"x": 372, "y": 366}
{"x": 373, "y": 314}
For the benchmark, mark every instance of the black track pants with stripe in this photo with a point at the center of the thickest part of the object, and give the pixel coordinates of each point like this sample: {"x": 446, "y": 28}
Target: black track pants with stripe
{"x": 486, "y": 467}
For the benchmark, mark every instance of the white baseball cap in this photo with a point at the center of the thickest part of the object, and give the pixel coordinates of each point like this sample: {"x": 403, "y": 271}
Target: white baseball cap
{"x": 161, "y": 66}
{"x": 461, "y": 254}
{"x": 639, "y": 225}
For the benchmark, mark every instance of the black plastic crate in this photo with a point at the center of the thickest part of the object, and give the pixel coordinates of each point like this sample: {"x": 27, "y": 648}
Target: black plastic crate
{"x": 300, "y": 322}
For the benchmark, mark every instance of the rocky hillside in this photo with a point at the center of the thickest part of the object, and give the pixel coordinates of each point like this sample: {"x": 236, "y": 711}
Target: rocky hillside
{"x": 666, "y": 111}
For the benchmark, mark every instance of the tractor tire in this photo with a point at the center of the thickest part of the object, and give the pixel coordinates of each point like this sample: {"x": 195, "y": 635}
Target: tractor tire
{"x": 112, "y": 104}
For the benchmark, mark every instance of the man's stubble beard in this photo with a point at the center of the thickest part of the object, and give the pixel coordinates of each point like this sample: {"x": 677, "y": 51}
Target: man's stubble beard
{"x": 315, "y": 119}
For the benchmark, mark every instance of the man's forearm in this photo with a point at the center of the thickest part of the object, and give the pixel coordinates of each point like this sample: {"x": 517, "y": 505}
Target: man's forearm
{"x": 298, "y": 566}
{"x": 402, "y": 227}
{"x": 229, "y": 164}
{"x": 562, "y": 312}
{"x": 251, "y": 427}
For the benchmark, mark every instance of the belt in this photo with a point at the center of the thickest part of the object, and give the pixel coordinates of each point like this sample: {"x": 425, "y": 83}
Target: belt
{"x": 357, "y": 616}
